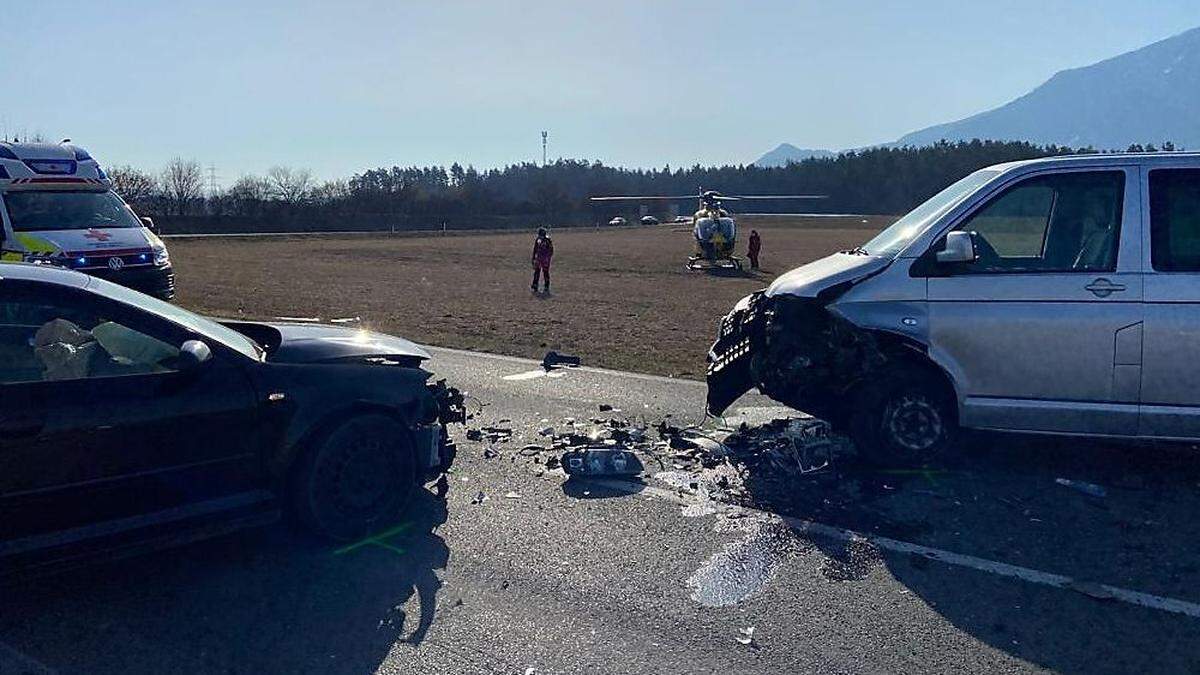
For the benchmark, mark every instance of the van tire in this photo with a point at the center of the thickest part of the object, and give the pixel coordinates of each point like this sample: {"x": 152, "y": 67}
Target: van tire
{"x": 356, "y": 479}
{"x": 905, "y": 416}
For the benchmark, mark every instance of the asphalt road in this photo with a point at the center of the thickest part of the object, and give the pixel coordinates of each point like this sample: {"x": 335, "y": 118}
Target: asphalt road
{"x": 984, "y": 564}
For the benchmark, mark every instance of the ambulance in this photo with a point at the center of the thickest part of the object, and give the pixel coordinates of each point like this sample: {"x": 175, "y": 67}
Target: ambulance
{"x": 57, "y": 207}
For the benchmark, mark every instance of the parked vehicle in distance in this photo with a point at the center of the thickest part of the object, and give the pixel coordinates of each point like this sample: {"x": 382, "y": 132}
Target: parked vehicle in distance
{"x": 618, "y": 220}
{"x": 128, "y": 423}
{"x": 1057, "y": 295}
{"x": 649, "y": 220}
{"x": 57, "y": 206}
{"x": 683, "y": 219}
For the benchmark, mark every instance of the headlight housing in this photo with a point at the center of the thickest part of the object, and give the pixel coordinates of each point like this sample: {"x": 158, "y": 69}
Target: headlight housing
{"x": 161, "y": 257}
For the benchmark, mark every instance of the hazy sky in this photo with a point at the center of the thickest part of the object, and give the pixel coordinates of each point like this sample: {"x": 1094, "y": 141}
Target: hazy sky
{"x": 340, "y": 86}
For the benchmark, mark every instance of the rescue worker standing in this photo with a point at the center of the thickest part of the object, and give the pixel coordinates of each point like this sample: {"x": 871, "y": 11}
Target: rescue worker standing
{"x": 543, "y": 251}
{"x": 753, "y": 249}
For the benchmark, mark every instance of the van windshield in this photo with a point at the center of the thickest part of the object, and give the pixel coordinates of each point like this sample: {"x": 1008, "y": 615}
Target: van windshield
{"x": 67, "y": 210}
{"x": 898, "y": 235}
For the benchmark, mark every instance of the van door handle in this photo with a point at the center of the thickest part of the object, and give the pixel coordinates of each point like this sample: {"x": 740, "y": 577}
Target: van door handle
{"x": 1102, "y": 288}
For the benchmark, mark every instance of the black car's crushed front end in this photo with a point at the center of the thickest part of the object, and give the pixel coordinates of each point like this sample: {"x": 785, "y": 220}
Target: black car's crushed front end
{"x": 435, "y": 449}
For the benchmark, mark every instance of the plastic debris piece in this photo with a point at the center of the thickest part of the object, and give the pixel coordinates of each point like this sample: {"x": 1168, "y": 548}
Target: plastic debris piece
{"x": 479, "y": 498}
{"x": 512, "y": 495}
{"x": 601, "y": 462}
{"x": 1080, "y": 486}
{"x": 554, "y": 359}
{"x": 747, "y": 635}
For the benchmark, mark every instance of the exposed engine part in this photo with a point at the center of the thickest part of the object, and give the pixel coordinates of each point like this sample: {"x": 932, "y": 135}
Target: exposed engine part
{"x": 452, "y": 405}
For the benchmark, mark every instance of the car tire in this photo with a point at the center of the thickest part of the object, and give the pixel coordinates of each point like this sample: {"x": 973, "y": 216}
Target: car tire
{"x": 356, "y": 479}
{"x": 904, "y": 417}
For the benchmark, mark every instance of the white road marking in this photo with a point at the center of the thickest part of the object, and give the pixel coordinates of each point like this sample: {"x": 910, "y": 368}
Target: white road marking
{"x": 585, "y": 369}
{"x": 1033, "y": 576}
{"x": 13, "y": 661}
{"x": 533, "y": 375}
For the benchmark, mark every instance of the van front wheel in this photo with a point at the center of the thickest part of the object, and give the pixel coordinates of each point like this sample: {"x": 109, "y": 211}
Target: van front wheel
{"x": 904, "y": 417}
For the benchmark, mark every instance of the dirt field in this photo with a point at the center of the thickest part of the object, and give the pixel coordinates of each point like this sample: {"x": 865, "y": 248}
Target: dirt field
{"x": 621, "y": 298}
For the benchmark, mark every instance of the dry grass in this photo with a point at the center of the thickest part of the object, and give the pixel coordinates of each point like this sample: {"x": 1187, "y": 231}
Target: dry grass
{"x": 621, "y": 298}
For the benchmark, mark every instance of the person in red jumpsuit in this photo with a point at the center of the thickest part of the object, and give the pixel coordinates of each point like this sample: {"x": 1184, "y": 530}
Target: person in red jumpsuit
{"x": 753, "y": 249}
{"x": 543, "y": 251}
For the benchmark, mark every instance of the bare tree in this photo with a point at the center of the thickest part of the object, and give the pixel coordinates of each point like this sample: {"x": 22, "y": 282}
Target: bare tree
{"x": 248, "y": 194}
{"x": 135, "y": 185}
{"x": 182, "y": 184}
{"x": 289, "y": 185}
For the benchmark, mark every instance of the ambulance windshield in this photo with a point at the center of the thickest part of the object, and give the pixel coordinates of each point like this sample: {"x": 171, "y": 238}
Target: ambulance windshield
{"x": 67, "y": 210}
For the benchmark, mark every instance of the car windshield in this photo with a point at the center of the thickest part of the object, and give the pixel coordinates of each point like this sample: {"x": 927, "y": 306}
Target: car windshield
{"x": 194, "y": 322}
{"x": 898, "y": 235}
{"x": 67, "y": 210}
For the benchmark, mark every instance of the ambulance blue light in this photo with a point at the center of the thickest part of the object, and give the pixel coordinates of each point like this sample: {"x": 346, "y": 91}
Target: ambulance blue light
{"x": 145, "y": 257}
{"x": 81, "y": 261}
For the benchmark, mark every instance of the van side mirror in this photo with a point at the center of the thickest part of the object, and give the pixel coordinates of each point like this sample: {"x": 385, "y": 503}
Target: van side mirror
{"x": 193, "y": 354}
{"x": 960, "y": 248}
{"x": 149, "y": 223}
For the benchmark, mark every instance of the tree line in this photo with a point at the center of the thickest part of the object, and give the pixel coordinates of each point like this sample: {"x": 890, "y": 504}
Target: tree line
{"x": 880, "y": 180}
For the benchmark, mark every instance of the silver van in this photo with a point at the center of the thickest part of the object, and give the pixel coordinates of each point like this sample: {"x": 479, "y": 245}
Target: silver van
{"x": 1057, "y": 295}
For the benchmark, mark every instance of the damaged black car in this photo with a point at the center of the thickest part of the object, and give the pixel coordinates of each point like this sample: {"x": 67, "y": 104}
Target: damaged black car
{"x": 128, "y": 424}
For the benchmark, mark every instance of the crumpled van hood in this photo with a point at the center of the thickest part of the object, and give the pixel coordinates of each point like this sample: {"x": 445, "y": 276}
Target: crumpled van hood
{"x": 809, "y": 280}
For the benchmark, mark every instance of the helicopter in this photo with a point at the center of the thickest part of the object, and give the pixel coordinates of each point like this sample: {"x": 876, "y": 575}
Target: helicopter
{"x": 713, "y": 227}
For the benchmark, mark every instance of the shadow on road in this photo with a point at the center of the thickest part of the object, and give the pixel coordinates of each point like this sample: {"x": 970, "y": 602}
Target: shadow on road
{"x": 268, "y": 600}
{"x": 998, "y": 500}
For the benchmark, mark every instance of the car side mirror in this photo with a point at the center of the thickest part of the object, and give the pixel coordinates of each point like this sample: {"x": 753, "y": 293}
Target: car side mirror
{"x": 193, "y": 354}
{"x": 149, "y": 223}
{"x": 960, "y": 248}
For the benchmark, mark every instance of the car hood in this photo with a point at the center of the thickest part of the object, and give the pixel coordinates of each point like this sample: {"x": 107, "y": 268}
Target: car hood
{"x": 816, "y": 276}
{"x": 315, "y": 343}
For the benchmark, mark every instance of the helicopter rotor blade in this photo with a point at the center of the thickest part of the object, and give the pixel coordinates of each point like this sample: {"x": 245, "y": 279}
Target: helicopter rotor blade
{"x": 644, "y": 198}
{"x": 778, "y": 197}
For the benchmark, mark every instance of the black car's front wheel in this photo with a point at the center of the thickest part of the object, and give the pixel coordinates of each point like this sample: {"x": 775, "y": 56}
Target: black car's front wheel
{"x": 356, "y": 479}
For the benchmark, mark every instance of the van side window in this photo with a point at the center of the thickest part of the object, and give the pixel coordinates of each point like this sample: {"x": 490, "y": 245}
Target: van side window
{"x": 1175, "y": 220}
{"x": 1068, "y": 222}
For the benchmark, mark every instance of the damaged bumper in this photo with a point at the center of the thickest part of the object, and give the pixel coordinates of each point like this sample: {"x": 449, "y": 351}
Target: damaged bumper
{"x": 435, "y": 449}
{"x": 793, "y": 349}
{"x": 739, "y": 336}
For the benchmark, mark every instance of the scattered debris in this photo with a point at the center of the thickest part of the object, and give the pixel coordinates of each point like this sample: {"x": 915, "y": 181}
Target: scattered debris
{"x": 554, "y": 359}
{"x": 479, "y": 498}
{"x": 490, "y": 453}
{"x": 512, "y": 495}
{"x": 1080, "y": 486}
{"x": 747, "y": 635}
{"x": 604, "y": 407}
